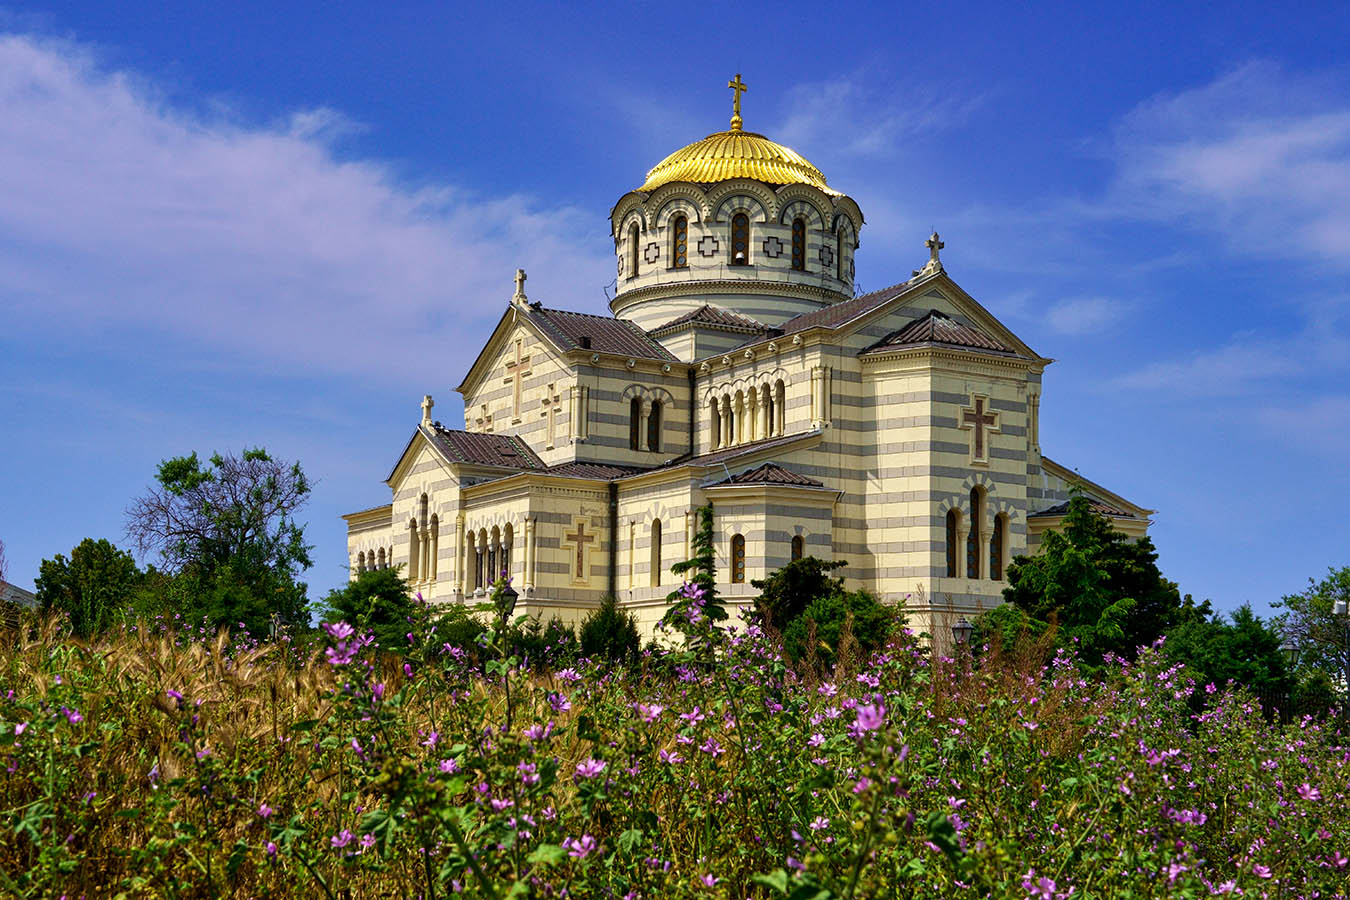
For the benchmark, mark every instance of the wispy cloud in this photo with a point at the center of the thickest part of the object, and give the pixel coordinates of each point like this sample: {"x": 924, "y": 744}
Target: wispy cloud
{"x": 854, "y": 117}
{"x": 1259, "y": 155}
{"x": 123, "y": 210}
{"x": 1084, "y": 315}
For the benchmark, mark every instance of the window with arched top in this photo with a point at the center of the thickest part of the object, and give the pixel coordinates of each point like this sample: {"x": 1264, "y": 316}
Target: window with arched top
{"x": 679, "y": 242}
{"x": 996, "y": 543}
{"x": 656, "y": 553}
{"x": 633, "y": 251}
{"x": 714, "y": 425}
{"x": 952, "y": 517}
{"x": 382, "y": 564}
{"x": 413, "y": 553}
{"x": 799, "y": 244}
{"x": 361, "y": 561}
{"x": 738, "y": 558}
{"x": 798, "y": 547}
{"x": 839, "y": 256}
{"x": 433, "y": 546}
{"x": 654, "y": 426}
{"x": 634, "y": 422}
{"x": 973, "y": 538}
{"x": 740, "y": 240}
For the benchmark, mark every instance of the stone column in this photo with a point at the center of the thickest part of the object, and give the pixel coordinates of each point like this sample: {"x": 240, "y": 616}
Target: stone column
{"x": 643, "y": 422}
{"x": 727, "y": 438}
{"x": 962, "y": 533}
{"x": 527, "y": 576}
{"x": 752, "y": 409}
{"x": 457, "y": 575}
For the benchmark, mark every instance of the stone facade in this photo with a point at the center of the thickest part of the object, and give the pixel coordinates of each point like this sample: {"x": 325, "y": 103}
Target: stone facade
{"x": 895, "y": 430}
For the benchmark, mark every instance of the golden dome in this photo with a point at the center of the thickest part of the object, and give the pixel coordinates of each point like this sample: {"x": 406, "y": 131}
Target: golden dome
{"x": 736, "y": 154}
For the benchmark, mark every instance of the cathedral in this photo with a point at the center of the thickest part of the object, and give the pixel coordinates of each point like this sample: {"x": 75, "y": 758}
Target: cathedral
{"x": 895, "y": 430}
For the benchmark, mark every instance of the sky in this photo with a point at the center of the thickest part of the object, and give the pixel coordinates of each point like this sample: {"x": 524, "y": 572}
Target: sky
{"x": 279, "y": 225}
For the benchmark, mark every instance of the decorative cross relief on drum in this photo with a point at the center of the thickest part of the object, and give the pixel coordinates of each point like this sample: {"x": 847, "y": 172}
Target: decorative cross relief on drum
{"x": 652, "y": 253}
{"x": 826, "y": 255}
{"x": 707, "y": 245}
{"x": 773, "y": 247}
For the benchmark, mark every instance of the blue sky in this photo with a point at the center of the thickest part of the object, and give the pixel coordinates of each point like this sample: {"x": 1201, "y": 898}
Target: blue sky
{"x": 225, "y": 225}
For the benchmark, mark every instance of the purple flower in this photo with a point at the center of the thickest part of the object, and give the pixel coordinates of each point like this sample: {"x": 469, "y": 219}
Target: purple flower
{"x": 820, "y": 823}
{"x": 449, "y": 766}
{"x": 271, "y": 849}
{"x": 671, "y": 759}
{"x": 72, "y": 715}
{"x": 432, "y": 739}
{"x": 341, "y": 839}
{"x": 20, "y": 728}
{"x": 174, "y": 694}
{"x": 590, "y": 768}
{"x": 709, "y": 880}
{"x": 650, "y": 712}
{"x": 367, "y": 841}
{"x": 1308, "y": 792}
{"x": 871, "y": 717}
{"x": 1261, "y": 871}
{"x": 339, "y": 631}
{"x": 265, "y": 811}
{"x": 712, "y": 748}
{"x": 580, "y": 848}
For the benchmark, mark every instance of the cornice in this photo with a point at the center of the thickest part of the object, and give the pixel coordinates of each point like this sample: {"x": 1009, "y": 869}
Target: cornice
{"x": 719, "y": 286}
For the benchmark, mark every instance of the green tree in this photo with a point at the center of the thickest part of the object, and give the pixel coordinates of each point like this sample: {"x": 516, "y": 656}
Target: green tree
{"x": 703, "y": 566}
{"x": 787, "y": 592}
{"x": 829, "y": 616}
{"x": 1101, "y": 587}
{"x": 1242, "y": 649}
{"x": 610, "y": 633}
{"x": 1318, "y": 621}
{"x": 226, "y": 531}
{"x": 377, "y": 601}
{"x": 92, "y": 587}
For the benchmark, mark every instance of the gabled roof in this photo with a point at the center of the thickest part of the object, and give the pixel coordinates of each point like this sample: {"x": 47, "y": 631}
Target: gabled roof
{"x": 771, "y": 473}
{"x": 593, "y": 471}
{"x": 844, "y": 312}
{"x": 940, "y": 330}
{"x": 710, "y": 316}
{"x": 604, "y": 334}
{"x": 1097, "y": 506}
{"x": 480, "y": 449}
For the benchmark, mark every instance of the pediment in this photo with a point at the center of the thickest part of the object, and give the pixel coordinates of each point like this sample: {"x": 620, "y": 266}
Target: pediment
{"x": 499, "y": 350}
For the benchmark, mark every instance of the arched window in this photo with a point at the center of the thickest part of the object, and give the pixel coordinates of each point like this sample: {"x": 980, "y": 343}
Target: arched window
{"x": 799, "y": 244}
{"x": 634, "y": 422}
{"x": 494, "y": 556}
{"x": 798, "y": 547}
{"x": 633, "y": 251}
{"x": 973, "y": 538}
{"x": 654, "y": 426}
{"x": 413, "y": 553}
{"x": 740, "y": 240}
{"x": 656, "y": 553}
{"x": 508, "y": 538}
{"x": 780, "y": 406}
{"x": 679, "y": 242}
{"x": 738, "y": 558}
{"x": 839, "y": 256}
{"x": 434, "y": 546}
{"x": 382, "y": 563}
{"x": 361, "y": 561}
{"x": 996, "y": 542}
{"x": 714, "y": 425}
{"x": 951, "y": 542}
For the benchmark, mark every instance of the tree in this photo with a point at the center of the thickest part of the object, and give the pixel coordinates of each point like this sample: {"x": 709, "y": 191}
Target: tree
{"x": 378, "y": 602}
{"x": 610, "y": 633}
{"x": 1102, "y": 588}
{"x": 1243, "y": 650}
{"x": 1315, "y": 625}
{"x": 703, "y": 565}
{"x": 226, "y": 530}
{"x": 92, "y": 587}
{"x": 786, "y": 593}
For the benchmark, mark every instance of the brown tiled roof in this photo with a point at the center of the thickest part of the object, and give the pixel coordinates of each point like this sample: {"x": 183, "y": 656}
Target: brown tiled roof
{"x": 502, "y": 450}
{"x": 594, "y": 471}
{"x": 606, "y": 334}
{"x": 939, "y": 329}
{"x": 772, "y": 473}
{"x": 1097, "y": 506}
{"x": 719, "y": 456}
{"x": 845, "y": 311}
{"x": 714, "y": 317}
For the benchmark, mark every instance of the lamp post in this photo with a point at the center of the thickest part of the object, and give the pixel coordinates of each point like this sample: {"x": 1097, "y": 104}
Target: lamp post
{"x": 506, "y": 603}
{"x": 1290, "y": 651}
{"x": 961, "y": 631}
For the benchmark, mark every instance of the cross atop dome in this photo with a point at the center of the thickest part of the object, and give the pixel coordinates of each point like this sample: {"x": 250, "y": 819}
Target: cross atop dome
{"x": 739, "y": 88}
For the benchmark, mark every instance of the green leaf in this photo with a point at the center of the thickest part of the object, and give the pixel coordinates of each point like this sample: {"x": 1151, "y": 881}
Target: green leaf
{"x": 546, "y": 855}
{"x": 778, "y": 881}
{"x": 630, "y": 839}
{"x": 305, "y": 725}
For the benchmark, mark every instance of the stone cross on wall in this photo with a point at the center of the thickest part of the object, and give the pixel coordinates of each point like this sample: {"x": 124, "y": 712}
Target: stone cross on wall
{"x": 581, "y": 539}
{"x": 976, "y": 418}
{"x": 934, "y": 264}
{"x": 427, "y": 404}
{"x": 516, "y": 370}
{"x": 551, "y": 409}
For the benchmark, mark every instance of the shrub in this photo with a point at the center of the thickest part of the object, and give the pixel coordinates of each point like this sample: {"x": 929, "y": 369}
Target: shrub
{"x": 376, "y": 601}
{"x": 833, "y": 618}
{"x": 610, "y": 633}
{"x": 92, "y": 587}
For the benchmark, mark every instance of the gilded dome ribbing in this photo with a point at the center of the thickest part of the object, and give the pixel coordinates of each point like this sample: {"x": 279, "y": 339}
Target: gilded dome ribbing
{"x": 736, "y": 154}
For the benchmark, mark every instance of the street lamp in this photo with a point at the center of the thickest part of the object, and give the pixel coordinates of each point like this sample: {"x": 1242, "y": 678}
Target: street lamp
{"x": 961, "y": 631}
{"x": 1290, "y": 651}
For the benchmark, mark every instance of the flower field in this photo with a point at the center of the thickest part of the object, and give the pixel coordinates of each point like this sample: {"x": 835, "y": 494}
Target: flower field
{"x": 149, "y": 765}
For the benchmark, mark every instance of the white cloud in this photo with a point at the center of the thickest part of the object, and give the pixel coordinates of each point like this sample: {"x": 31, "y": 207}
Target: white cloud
{"x": 1259, "y": 155}
{"x": 1084, "y": 315}
{"x": 123, "y": 210}
{"x": 854, "y": 118}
